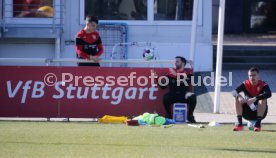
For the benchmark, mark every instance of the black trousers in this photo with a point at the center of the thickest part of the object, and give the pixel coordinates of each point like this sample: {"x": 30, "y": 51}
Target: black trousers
{"x": 250, "y": 115}
{"x": 89, "y": 64}
{"x": 171, "y": 98}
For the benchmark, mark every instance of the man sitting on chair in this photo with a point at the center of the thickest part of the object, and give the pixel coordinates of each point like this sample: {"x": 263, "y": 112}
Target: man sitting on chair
{"x": 179, "y": 84}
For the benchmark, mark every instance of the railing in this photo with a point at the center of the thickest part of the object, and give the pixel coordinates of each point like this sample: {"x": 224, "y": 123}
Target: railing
{"x": 65, "y": 60}
{"x": 153, "y": 45}
{"x": 48, "y": 61}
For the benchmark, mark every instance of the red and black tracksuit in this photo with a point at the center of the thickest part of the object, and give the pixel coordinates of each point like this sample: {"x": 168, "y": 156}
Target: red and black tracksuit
{"x": 88, "y": 44}
{"x": 179, "y": 93}
{"x": 261, "y": 91}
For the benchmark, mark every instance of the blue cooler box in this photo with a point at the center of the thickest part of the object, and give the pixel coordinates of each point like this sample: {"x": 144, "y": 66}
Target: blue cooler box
{"x": 180, "y": 112}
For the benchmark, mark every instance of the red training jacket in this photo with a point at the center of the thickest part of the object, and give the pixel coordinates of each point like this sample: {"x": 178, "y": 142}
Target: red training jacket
{"x": 88, "y": 44}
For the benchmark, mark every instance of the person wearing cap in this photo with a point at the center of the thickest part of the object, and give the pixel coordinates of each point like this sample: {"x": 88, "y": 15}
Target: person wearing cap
{"x": 179, "y": 90}
{"x": 88, "y": 43}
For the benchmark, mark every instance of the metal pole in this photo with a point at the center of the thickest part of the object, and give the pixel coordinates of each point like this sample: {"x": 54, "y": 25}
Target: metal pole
{"x": 1, "y": 20}
{"x": 219, "y": 56}
{"x": 54, "y": 16}
{"x": 4, "y": 16}
{"x": 57, "y": 49}
{"x": 194, "y": 30}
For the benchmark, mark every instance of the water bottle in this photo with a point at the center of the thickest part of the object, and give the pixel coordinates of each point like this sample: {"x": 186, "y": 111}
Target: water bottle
{"x": 253, "y": 107}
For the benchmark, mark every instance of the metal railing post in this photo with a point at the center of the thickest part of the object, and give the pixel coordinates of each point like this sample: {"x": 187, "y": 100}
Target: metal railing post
{"x": 1, "y": 17}
{"x": 4, "y": 16}
{"x": 54, "y": 17}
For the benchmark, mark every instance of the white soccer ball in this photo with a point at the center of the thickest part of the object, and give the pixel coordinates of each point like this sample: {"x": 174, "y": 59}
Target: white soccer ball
{"x": 251, "y": 124}
{"x": 148, "y": 54}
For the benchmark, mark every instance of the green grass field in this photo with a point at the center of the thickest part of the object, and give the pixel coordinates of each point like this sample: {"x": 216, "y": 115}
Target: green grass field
{"x": 72, "y": 140}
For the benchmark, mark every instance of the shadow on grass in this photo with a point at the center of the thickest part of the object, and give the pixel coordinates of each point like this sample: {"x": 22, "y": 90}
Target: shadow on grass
{"x": 269, "y": 131}
{"x": 249, "y": 150}
{"x": 143, "y": 145}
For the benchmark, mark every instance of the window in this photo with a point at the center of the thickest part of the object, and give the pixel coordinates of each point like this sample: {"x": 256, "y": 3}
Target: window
{"x": 117, "y": 9}
{"x": 33, "y": 12}
{"x": 263, "y": 15}
{"x": 173, "y": 9}
{"x": 141, "y": 12}
{"x": 33, "y": 8}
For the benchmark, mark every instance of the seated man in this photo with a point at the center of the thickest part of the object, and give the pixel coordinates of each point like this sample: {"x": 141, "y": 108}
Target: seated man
{"x": 179, "y": 83}
{"x": 254, "y": 105}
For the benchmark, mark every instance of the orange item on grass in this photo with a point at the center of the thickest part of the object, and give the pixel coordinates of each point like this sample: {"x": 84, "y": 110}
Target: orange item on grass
{"x": 113, "y": 119}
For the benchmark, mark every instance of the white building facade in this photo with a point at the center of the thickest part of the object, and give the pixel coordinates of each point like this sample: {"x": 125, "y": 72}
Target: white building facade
{"x": 49, "y": 31}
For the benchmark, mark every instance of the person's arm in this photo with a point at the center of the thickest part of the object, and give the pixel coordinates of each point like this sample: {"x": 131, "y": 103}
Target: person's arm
{"x": 79, "y": 48}
{"x": 100, "y": 47}
{"x": 162, "y": 81}
{"x": 266, "y": 93}
{"x": 191, "y": 63}
{"x": 163, "y": 84}
{"x": 186, "y": 77}
{"x": 237, "y": 95}
{"x": 239, "y": 89}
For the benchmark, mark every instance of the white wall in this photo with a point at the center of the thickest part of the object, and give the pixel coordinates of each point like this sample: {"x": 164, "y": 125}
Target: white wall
{"x": 154, "y": 33}
{"x": 26, "y": 48}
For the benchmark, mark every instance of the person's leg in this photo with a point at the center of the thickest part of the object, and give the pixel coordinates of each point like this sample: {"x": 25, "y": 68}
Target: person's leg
{"x": 191, "y": 101}
{"x": 261, "y": 109}
{"x": 262, "y": 106}
{"x": 239, "y": 111}
{"x": 168, "y": 100}
{"x": 248, "y": 114}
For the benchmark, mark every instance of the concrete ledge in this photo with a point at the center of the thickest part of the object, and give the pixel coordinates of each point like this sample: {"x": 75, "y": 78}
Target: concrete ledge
{"x": 227, "y": 118}
{"x": 200, "y": 117}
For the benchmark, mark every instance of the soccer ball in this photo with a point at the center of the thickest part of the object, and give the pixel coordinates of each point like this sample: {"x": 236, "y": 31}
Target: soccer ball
{"x": 148, "y": 54}
{"x": 251, "y": 124}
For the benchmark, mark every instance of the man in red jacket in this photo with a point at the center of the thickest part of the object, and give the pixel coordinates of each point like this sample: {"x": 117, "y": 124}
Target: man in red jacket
{"x": 88, "y": 43}
{"x": 179, "y": 91}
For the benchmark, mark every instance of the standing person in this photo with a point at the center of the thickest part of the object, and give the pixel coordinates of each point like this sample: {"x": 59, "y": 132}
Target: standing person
{"x": 88, "y": 43}
{"x": 179, "y": 90}
{"x": 253, "y": 106}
